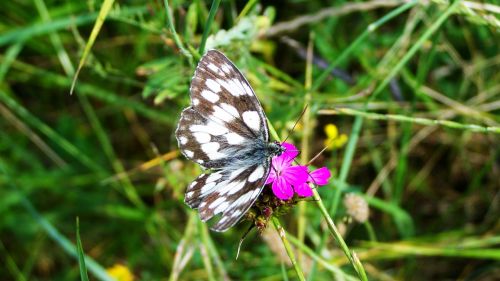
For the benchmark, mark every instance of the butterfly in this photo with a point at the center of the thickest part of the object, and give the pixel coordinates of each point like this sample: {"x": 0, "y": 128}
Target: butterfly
{"x": 225, "y": 131}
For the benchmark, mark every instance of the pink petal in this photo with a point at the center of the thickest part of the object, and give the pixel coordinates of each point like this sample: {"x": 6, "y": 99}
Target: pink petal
{"x": 271, "y": 177}
{"x": 320, "y": 176}
{"x": 304, "y": 190}
{"x": 295, "y": 175}
{"x": 290, "y": 151}
{"x": 281, "y": 162}
{"x": 282, "y": 189}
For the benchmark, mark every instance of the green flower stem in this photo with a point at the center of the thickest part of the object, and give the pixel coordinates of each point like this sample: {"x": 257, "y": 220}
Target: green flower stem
{"x": 288, "y": 249}
{"x": 420, "y": 121}
{"x": 249, "y": 5}
{"x": 184, "y": 246}
{"x": 370, "y": 231}
{"x": 205, "y": 250}
{"x": 330, "y": 266}
{"x": 171, "y": 27}
{"x": 356, "y": 263}
{"x": 214, "y": 254}
{"x": 210, "y": 20}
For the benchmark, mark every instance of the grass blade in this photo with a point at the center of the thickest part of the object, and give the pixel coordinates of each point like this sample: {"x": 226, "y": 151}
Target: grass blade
{"x": 81, "y": 254}
{"x": 106, "y": 7}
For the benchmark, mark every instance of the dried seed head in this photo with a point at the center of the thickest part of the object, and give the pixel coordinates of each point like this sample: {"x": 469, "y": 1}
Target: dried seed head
{"x": 356, "y": 207}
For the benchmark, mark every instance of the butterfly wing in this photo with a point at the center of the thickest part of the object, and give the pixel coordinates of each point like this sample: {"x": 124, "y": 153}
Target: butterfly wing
{"x": 220, "y": 92}
{"x": 224, "y": 129}
{"x": 230, "y": 193}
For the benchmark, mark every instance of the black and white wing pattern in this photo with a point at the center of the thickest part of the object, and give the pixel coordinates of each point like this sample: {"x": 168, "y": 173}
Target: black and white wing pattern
{"x": 224, "y": 130}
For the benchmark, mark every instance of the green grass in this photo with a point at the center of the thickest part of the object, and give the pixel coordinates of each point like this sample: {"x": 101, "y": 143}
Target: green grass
{"x": 422, "y": 115}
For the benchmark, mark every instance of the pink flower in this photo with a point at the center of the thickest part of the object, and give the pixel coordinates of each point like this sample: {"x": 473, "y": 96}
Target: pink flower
{"x": 317, "y": 177}
{"x": 290, "y": 151}
{"x": 287, "y": 179}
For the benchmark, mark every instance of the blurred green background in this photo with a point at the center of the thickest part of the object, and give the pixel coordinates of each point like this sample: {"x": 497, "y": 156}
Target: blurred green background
{"x": 407, "y": 92}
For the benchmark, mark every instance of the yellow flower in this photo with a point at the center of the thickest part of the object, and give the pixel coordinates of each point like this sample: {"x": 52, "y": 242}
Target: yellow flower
{"x": 120, "y": 273}
{"x": 333, "y": 139}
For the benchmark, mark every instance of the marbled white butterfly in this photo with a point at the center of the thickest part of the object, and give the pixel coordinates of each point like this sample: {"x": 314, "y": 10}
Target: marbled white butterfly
{"x": 225, "y": 130}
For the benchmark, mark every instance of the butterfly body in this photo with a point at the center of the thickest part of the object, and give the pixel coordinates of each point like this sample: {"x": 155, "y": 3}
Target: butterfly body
{"x": 225, "y": 130}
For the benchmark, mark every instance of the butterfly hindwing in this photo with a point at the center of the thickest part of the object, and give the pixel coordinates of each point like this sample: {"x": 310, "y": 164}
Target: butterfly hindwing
{"x": 230, "y": 193}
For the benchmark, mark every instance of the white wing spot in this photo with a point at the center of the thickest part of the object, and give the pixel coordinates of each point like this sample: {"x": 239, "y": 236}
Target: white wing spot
{"x": 222, "y": 114}
{"x": 221, "y": 221}
{"x": 256, "y": 193}
{"x": 211, "y": 127}
{"x": 210, "y": 96}
{"x": 211, "y": 149}
{"x": 234, "y": 138}
{"x": 189, "y": 194}
{"x": 240, "y": 84}
{"x": 231, "y": 109}
{"x": 231, "y": 87}
{"x": 226, "y": 186}
{"x": 193, "y": 183}
{"x": 212, "y": 85}
{"x": 183, "y": 140}
{"x": 236, "y": 84}
{"x": 226, "y": 68}
{"x": 207, "y": 188}
{"x": 213, "y": 177}
{"x": 189, "y": 153}
{"x": 202, "y": 137}
{"x": 256, "y": 174}
{"x": 196, "y": 101}
{"x": 236, "y": 213}
{"x": 213, "y": 67}
{"x": 217, "y": 202}
{"x": 248, "y": 90}
{"x": 244, "y": 198}
{"x": 252, "y": 119}
{"x": 221, "y": 207}
{"x": 236, "y": 187}
{"x": 237, "y": 172}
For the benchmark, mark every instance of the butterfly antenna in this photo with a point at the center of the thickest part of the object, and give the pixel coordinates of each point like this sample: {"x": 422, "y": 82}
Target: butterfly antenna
{"x": 296, "y": 122}
{"x": 321, "y": 152}
{"x": 241, "y": 240}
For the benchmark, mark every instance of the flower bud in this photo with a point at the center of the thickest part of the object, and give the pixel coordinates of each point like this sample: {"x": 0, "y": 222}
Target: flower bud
{"x": 267, "y": 212}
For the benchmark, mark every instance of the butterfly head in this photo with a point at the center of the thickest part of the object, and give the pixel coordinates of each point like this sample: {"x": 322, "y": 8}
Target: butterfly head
{"x": 275, "y": 148}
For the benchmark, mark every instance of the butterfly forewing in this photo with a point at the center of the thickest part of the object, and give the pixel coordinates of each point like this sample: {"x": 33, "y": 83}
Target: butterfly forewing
{"x": 220, "y": 92}
{"x": 225, "y": 130}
